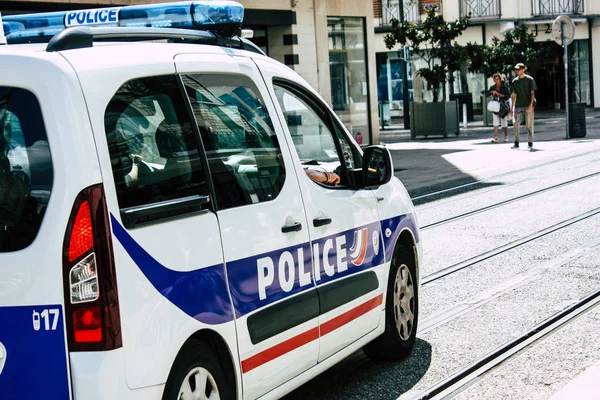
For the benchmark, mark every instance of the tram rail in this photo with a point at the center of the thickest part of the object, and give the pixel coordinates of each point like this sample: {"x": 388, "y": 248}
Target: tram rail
{"x": 462, "y": 379}
{"x": 501, "y": 249}
{"x": 505, "y": 202}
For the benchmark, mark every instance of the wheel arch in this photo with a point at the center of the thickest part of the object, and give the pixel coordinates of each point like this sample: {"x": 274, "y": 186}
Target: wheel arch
{"x": 224, "y": 355}
{"x": 388, "y": 346}
{"x": 407, "y": 239}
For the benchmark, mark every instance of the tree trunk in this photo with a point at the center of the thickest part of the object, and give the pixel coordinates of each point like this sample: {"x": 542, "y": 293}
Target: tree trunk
{"x": 436, "y": 93}
{"x": 464, "y": 80}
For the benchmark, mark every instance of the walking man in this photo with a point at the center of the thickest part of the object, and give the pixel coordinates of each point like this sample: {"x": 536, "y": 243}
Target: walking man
{"x": 523, "y": 97}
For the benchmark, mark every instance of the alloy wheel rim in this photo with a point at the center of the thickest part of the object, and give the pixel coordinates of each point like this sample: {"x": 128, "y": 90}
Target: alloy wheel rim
{"x": 199, "y": 384}
{"x": 404, "y": 302}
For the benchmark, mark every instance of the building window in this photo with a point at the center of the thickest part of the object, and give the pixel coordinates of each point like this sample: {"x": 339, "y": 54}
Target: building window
{"x": 348, "y": 74}
{"x": 579, "y": 72}
{"x": 389, "y": 82}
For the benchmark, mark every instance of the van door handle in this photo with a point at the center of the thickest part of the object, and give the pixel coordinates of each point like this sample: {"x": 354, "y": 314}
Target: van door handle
{"x": 296, "y": 226}
{"x": 321, "y": 221}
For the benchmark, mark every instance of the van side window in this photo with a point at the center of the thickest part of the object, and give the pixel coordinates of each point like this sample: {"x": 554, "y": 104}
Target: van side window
{"x": 153, "y": 148}
{"x": 243, "y": 152}
{"x": 26, "y": 172}
{"x": 319, "y": 142}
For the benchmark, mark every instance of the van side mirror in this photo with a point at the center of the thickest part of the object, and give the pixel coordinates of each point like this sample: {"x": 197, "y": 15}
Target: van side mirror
{"x": 377, "y": 167}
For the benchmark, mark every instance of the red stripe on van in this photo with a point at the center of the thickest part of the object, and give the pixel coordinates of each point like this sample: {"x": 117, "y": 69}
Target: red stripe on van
{"x": 280, "y": 349}
{"x": 306, "y": 337}
{"x": 350, "y": 315}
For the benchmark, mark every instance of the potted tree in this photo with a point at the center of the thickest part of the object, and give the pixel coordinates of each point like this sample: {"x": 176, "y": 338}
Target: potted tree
{"x": 434, "y": 41}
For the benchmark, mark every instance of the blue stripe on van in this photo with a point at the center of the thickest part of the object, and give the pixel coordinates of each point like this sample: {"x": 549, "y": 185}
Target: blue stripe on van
{"x": 243, "y": 274}
{"x": 392, "y": 227}
{"x": 201, "y": 294}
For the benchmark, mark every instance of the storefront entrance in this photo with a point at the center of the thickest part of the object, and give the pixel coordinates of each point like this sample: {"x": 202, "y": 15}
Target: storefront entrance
{"x": 549, "y": 76}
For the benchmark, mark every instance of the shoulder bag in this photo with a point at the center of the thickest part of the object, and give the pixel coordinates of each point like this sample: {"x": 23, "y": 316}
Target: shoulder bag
{"x": 493, "y": 106}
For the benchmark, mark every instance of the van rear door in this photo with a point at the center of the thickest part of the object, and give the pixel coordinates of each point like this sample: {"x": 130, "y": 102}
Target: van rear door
{"x": 36, "y": 130}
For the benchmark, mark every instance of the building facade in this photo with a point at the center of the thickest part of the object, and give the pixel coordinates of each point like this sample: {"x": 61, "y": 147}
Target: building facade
{"x": 330, "y": 43}
{"x": 489, "y": 19}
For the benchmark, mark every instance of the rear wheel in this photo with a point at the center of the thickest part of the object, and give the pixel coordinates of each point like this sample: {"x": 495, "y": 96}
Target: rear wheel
{"x": 196, "y": 375}
{"x": 401, "y": 310}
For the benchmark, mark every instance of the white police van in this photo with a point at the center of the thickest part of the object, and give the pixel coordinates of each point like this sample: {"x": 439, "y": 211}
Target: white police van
{"x": 160, "y": 235}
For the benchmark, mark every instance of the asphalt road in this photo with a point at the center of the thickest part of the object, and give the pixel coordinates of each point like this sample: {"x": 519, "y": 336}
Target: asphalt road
{"x": 506, "y": 196}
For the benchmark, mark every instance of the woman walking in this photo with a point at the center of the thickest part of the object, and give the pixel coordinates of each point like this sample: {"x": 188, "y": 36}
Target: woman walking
{"x": 500, "y": 92}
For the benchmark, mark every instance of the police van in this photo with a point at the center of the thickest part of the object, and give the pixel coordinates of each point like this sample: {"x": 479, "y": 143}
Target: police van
{"x": 182, "y": 217}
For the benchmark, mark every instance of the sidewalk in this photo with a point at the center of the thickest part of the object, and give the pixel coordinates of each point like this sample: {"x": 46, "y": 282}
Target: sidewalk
{"x": 396, "y": 132}
{"x": 435, "y": 163}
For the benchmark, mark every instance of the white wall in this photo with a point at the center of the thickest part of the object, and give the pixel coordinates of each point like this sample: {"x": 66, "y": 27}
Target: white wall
{"x": 267, "y": 4}
{"x": 306, "y": 49}
{"x": 451, "y": 9}
{"x": 592, "y": 7}
{"x": 473, "y": 34}
{"x": 512, "y": 9}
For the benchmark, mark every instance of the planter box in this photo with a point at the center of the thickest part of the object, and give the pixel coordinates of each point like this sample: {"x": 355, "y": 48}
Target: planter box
{"x": 434, "y": 119}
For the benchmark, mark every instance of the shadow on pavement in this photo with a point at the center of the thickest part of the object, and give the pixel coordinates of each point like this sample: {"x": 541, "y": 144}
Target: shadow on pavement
{"x": 357, "y": 377}
{"x": 454, "y": 188}
{"x": 426, "y": 171}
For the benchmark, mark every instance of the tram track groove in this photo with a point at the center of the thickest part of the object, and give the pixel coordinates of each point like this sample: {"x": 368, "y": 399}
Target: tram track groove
{"x": 501, "y": 249}
{"x": 456, "y": 310}
{"x": 505, "y": 202}
{"x": 461, "y": 380}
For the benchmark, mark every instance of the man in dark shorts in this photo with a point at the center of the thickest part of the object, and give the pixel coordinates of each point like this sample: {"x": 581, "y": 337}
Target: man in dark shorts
{"x": 523, "y": 96}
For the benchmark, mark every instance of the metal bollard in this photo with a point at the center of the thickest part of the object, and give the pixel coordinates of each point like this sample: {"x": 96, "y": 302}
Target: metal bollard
{"x": 464, "y": 116}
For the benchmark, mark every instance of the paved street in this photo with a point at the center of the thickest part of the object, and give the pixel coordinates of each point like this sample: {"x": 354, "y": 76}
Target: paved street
{"x": 510, "y": 240}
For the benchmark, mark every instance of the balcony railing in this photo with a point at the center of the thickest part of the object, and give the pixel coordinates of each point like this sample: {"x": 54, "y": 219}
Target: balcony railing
{"x": 390, "y": 9}
{"x": 480, "y": 9}
{"x": 556, "y": 7}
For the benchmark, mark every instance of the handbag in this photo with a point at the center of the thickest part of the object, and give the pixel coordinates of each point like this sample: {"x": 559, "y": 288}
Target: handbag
{"x": 493, "y": 106}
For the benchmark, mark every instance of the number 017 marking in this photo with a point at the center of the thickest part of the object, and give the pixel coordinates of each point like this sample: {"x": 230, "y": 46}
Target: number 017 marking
{"x": 48, "y": 316}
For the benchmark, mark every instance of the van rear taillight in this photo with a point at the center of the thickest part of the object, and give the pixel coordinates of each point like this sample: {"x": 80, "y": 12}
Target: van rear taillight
{"x": 81, "y": 239}
{"x": 88, "y": 325}
{"x": 90, "y": 284}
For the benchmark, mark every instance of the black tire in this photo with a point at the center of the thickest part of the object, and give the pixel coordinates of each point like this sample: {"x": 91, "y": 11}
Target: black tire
{"x": 194, "y": 356}
{"x": 397, "y": 341}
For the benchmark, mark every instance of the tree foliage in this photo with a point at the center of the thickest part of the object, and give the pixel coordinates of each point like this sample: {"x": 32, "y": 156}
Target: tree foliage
{"x": 518, "y": 45}
{"x": 435, "y": 42}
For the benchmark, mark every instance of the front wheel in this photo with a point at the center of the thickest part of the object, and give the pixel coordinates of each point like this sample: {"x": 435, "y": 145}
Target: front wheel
{"x": 401, "y": 310}
{"x": 196, "y": 375}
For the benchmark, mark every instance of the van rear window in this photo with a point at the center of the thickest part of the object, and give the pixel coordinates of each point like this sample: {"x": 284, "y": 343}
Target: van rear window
{"x": 26, "y": 172}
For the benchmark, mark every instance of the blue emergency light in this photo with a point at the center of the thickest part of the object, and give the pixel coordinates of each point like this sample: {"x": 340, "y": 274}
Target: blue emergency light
{"x": 212, "y": 15}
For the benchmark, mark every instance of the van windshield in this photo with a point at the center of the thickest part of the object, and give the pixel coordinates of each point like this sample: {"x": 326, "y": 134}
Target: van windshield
{"x": 26, "y": 172}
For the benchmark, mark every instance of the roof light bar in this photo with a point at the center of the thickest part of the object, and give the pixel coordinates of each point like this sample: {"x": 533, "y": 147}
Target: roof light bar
{"x": 214, "y": 15}
{"x": 33, "y": 25}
